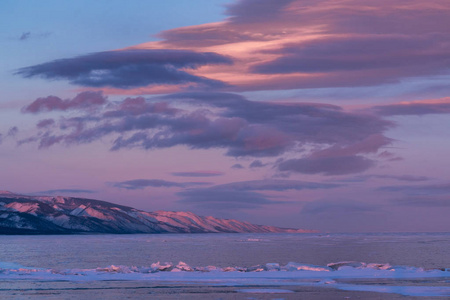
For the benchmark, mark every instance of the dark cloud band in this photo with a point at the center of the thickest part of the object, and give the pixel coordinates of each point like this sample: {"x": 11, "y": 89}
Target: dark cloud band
{"x": 129, "y": 68}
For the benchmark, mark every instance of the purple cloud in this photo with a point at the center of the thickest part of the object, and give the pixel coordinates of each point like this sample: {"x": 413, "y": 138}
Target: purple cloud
{"x": 64, "y": 192}
{"x": 335, "y": 165}
{"x": 409, "y": 178}
{"x": 237, "y": 166}
{"x": 417, "y": 109}
{"x": 273, "y": 185}
{"x": 429, "y": 189}
{"x": 127, "y": 69}
{"x": 158, "y": 183}
{"x": 25, "y": 36}
{"x": 255, "y": 11}
{"x": 45, "y": 123}
{"x": 283, "y": 123}
{"x": 257, "y": 164}
{"x": 419, "y": 56}
{"x": 315, "y": 44}
{"x": 425, "y": 201}
{"x": 198, "y": 174}
{"x": 337, "y": 207}
{"x": 139, "y": 106}
{"x": 317, "y": 133}
{"x": 83, "y": 100}
{"x": 225, "y": 199}
{"x": 243, "y": 195}
{"x": 12, "y": 131}
{"x": 426, "y": 195}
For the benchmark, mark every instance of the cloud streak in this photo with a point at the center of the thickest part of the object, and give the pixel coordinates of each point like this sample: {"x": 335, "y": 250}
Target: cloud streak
{"x": 198, "y": 174}
{"x": 66, "y": 191}
{"x": 127, "y": 69}
{"x": 245, "y": 194}
{"x": 274, "y": 185}
{"x": 417, "y": 108}
{"x": 338, "y": 165}
{"x": 138, "y": 184}
{"x": 326, "y": 207}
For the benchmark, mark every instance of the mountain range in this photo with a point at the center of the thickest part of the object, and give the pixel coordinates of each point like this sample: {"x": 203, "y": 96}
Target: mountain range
{"x": 23, "y": 214}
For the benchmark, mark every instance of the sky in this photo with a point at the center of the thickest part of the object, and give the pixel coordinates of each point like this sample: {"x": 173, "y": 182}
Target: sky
{"x": 327, "y": 115}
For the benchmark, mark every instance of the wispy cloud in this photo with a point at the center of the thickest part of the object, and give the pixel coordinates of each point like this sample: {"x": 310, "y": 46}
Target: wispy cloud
{"x": 362, "y": 178}
{"x": 418, "y": 108}
{"x": 84, "y": 100}
{"x": 137, "y": 184}
{"x": 338, "y": 165}
{"x": 245, "y": 194}
{"x": 198, "y": 174}
{"x": 257, "y": 164}
{"x": 129, "y": 68}
{"x": 426, "y": 189}
{"x": 425, "y": 201}
{"x": 217, "y": 199}
{"x": 274, "y": 185}
{"x": 322, "y": 136}
{"x": 237, "y": 166}
{"x": 337, "y": 207}
{"x": 63, "y": 192}
{"x": 25, "y": 36}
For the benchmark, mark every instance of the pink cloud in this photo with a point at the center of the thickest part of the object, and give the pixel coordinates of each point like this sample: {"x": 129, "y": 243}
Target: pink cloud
{"x": 309, "y": 44}
{"x": 84, "y": 100}
{"x": 423, "y": 107}
{"x": 267, "y": 45}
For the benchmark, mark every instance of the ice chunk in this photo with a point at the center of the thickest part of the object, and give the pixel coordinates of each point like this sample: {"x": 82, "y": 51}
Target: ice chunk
{"x": 162, "y": 267}
{"x": 292, "y": 266}
{"x": 273, "y": 267}
{"x": 182, "y": 266}
{"x": 352, "y": 264}
{"x": 264, "y": 291}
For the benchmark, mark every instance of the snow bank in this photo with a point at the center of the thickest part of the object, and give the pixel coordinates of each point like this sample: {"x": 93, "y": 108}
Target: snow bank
{"x": 291, "y": 270}
{"x": 270, "y": 274}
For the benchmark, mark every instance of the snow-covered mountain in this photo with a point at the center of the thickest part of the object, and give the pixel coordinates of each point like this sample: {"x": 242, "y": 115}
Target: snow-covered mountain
{"x": 20, "y": 214}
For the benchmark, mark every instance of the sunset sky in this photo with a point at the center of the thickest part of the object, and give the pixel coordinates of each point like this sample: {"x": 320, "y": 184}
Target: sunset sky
{"x": 321, "y": 114}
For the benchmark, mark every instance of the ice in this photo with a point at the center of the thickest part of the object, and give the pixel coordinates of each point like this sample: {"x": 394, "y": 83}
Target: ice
{"x": 273, "y": 267}
{"x": 264, "y": 291}
{"x": 182, "y": 266}
{"x": 162, "y": 267}
{"x": 295, "y": 270}
{"x": 269, "y": 274}
{"x": 292, "y": 266}
{"x": 359, "y": 265}
{"x": 338, "y": 265}
{"x": 415, "y": 291}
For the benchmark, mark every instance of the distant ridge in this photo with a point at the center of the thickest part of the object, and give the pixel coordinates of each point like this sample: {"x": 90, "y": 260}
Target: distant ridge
{"x": 21, "y": 214}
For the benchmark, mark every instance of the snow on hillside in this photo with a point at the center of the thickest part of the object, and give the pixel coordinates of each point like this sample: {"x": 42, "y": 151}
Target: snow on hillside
{"x": 20, "y": 214}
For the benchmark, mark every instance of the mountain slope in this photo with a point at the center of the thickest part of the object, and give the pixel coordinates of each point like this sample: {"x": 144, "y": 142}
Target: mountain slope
{"x": 20, "y": 214}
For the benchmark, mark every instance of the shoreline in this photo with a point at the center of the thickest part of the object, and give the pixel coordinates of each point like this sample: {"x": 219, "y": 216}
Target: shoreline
{"x": 156, "y": 289}
{"x": 144, "y": 290}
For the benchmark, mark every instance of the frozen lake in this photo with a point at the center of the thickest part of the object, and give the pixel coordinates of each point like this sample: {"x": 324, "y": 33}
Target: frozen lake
{"x": 416, "y": 261}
